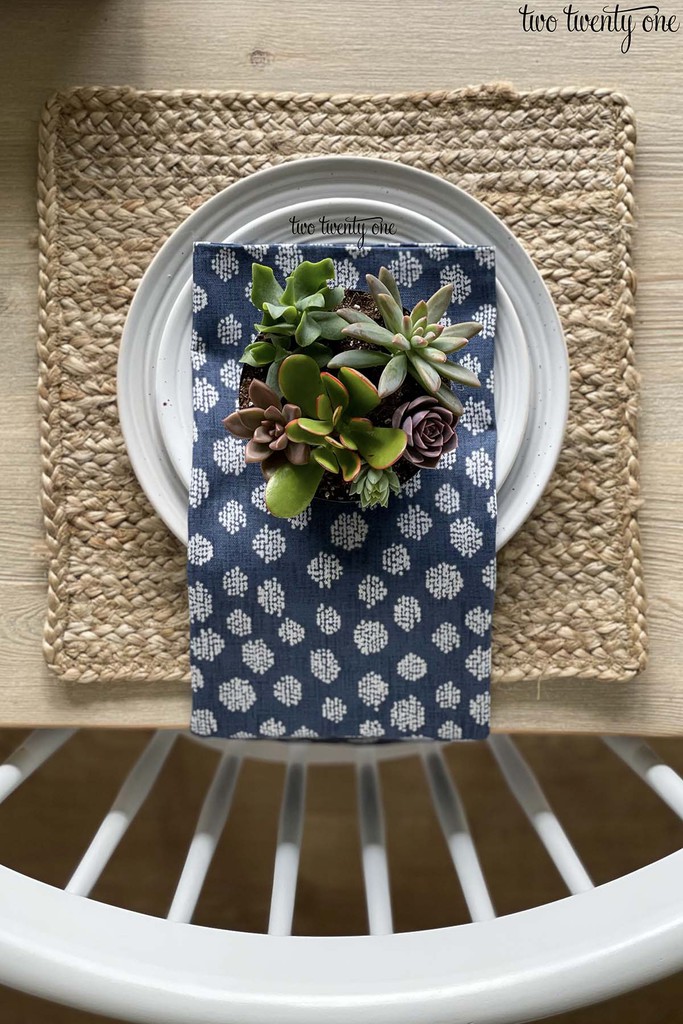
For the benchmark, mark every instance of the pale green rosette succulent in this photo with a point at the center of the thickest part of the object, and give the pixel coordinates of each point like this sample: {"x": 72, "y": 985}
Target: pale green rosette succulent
{"x": 375, "y": 486}
{"x": 415, "y": 343}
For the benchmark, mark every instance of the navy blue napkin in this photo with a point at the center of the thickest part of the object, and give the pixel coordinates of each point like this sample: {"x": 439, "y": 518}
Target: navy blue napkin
{"x": 341, "y": 623}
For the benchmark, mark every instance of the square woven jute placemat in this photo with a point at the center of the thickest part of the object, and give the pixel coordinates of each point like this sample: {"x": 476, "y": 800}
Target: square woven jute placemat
{"x": 120, "y": 169}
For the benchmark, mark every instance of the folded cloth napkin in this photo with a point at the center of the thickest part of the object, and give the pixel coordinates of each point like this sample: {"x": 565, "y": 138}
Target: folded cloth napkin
{"x": 340, "y": 623}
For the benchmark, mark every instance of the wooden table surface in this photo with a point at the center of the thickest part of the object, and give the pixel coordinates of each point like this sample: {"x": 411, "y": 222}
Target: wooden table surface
{"x": 385, "y": 45}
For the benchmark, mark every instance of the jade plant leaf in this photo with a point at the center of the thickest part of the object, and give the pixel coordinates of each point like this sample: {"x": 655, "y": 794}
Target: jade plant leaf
{"x": 323, "y": 408}
{"x": 382, "y": 446}
{"x": 346, "y": 438}
{"x": 300, "y": 383}
{"x": 327, "y": 459}
{"x": 363, "y": 396}
{"x": 291, "y": 488}
{"x": 296, "y": 433}
{"x": 321, "y": 428}
{"x": 336, "y": 392}
{"x": 349, "y": 462}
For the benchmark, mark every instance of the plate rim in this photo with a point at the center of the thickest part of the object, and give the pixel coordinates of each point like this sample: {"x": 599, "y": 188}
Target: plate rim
{"x": 329, "y": 167}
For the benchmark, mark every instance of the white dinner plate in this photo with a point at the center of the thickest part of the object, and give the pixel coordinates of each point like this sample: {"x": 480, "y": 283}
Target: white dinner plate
{"x": 354, "y": 178}
{"x": 173, "y": 377}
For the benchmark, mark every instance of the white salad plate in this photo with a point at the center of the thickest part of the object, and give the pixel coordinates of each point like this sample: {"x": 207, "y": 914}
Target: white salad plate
{"x": 173, "y": 376}
{"x": 155, "y": 345}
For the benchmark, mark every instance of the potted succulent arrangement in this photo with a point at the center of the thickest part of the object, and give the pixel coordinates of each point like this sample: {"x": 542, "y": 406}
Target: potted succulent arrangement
{"x": 345, "y": 394}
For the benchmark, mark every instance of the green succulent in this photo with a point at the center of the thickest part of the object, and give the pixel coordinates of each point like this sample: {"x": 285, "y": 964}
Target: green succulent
{"x": 375, "y": 486}
{"x": 415, "y": 343}
{"x": 298, "y": 317}
{"x": 334, "y": 423}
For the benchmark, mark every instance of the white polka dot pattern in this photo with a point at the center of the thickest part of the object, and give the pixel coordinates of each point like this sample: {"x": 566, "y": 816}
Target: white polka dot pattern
{"x": 370, "y": 637}
{"x": 237, "y": 694}
{"x": 200, "y": 602}
{"x": 341, "y": 622}
{"x": 462, "y": 284}
{"x": 232, "y": 516}
{"x": 448, "y": 695}
{"x": 206, "y": 645}
{"x": 372, "y": 590}
{"x": 291, "y": 632}
{"x": 225, "y": 264}
{"x": 372, "y": 690}
{"x": 239, "y": 623}
{"x": 203, "y": 722}
{"x": 199, "y": 487}
{"x": 288, "y": 690}
{"x": 257, "y": 656}
{"x": 271, "y": 596}
{"x": 349, "y": 531}
{"x": 414, "y": 523}
{"x": 229, "y": 330}
{"x": 412, "y": 667}
{"x": 345, "y": 274}
{"x": 204, "y": 395}
{"x": 328, "y": 619}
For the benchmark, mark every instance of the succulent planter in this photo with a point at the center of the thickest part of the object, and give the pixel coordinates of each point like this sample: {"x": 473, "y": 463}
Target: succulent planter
{"x": 333, "y": 487}
{"x": 346, "y": 395}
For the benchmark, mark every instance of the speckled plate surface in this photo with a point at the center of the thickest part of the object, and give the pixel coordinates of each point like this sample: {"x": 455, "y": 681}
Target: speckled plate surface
{"x": 228, "y": 215}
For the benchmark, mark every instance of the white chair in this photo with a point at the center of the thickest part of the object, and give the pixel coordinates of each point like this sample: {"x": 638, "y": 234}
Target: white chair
{"x": 596, "y": 943}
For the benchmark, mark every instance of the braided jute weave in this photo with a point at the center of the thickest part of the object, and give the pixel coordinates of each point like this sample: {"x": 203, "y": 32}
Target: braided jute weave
{"x": 120, "y": 169}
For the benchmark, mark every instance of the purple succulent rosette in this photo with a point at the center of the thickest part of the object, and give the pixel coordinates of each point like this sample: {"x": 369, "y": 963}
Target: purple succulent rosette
{"x": 429, "y": 428}
{"x": 368, "y": 616}
{"x": 264, "y": 426}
